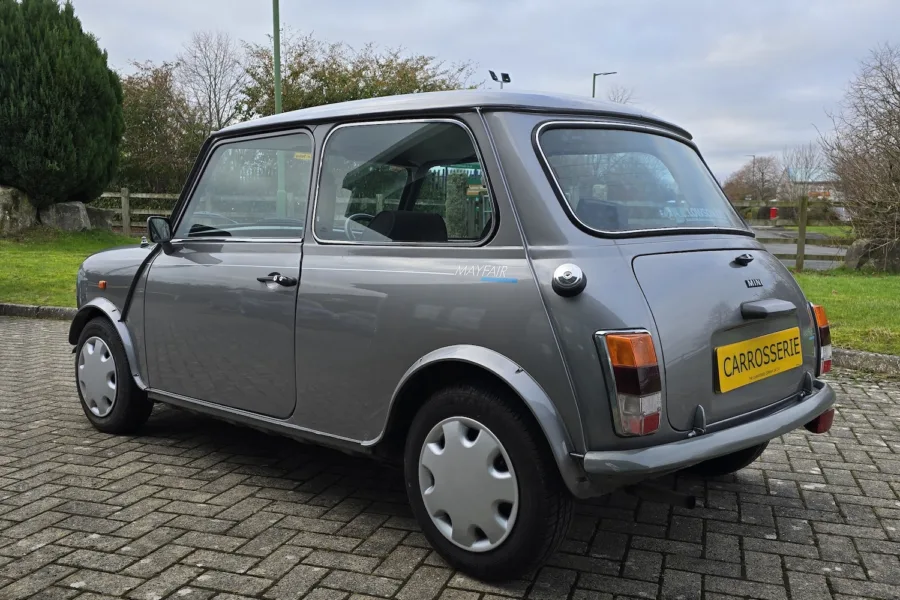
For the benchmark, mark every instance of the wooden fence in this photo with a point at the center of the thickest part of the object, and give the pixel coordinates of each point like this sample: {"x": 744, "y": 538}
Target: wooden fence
{"x": 129, "y": 218}
{"x": 127, "y": 215}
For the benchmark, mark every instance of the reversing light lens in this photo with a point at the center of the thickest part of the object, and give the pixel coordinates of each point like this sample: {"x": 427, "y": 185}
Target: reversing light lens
{"x": 638, "y": 403}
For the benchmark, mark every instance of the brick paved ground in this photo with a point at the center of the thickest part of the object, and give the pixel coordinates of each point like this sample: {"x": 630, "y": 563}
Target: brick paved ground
{"x": 196, "y": 509}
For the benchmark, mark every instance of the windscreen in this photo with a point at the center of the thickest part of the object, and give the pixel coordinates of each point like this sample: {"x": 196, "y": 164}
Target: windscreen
{"x": 617, "y": 180}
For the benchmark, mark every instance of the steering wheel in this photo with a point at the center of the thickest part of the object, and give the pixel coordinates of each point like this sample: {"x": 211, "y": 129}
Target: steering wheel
{"x": 356, "y": 218}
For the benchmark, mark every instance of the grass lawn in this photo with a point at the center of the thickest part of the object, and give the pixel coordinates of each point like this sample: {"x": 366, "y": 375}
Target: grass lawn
{"x": 836, "y": 231}
{"x": 39, "y": 266}
{"x": 863, "y": 308}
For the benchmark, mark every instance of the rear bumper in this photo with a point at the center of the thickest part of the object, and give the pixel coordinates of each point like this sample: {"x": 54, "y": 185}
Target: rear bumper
{"x": 632, "y": 465}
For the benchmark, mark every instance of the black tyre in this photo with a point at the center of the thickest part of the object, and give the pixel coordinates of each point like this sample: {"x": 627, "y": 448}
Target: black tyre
{"x": 730, "y": 463}
{"x": 483, "y": 485}
{"x": 111, "y": 400}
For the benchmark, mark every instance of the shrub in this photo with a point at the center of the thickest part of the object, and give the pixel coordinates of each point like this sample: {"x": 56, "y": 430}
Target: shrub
{"x": 60, "y": 104}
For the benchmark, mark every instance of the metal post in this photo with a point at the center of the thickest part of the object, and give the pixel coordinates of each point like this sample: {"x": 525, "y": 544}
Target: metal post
{"x": 276, "y": 35}
{"x": 126, "y": 212}
{"x": 801, "y": 233}
{"x": 281, "y": 196}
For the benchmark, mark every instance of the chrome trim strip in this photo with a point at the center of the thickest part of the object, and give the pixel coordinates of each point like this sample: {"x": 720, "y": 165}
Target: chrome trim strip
{"x": 608, "y": 124}
{"x": 462, "y": 244}
{"x": 237, "y": 239}
{"x": 610, "y": 377}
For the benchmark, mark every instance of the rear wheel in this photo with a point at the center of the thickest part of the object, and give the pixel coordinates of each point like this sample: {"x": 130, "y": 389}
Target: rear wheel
{"x": 482, "y": 484}
{"x": 730, "y": 463}
{"x": 111, "y": 400}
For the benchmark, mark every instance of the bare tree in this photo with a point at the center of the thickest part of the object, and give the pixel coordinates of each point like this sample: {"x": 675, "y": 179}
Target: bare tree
{"x": 620, "y": 94}
{"x": 210, "y": 70}
{"x": 864, "y": 150}
{"x": 758, "y": 178}
{"x": 804, "y": 166}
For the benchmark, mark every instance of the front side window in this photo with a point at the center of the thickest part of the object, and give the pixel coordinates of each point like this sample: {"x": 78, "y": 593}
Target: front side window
{"x": 252, "y": 188}
{"x": 620, "y": 180}
{"x": 416, "y": 182}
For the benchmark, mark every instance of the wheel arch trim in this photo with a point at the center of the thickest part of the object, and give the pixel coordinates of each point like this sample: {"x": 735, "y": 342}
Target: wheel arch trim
{"x": 103, "y": 307}
{"x": 521, "y": 383}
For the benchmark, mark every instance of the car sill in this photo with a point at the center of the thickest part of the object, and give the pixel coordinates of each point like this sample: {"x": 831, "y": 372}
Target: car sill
{"x": 258, "y": 421}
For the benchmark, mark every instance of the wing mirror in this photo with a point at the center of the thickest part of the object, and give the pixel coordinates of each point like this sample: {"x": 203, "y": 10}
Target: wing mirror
{"x": 159, "y": 230}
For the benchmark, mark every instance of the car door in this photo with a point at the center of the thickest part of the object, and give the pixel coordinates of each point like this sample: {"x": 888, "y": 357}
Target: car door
{"x": 220, "y": 299}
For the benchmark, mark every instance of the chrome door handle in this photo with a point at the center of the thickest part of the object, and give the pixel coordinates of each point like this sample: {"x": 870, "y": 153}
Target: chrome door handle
{"x": 278, "y": 278}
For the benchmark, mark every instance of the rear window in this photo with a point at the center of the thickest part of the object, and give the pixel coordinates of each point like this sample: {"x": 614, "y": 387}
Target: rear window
{"x": 616, "y": 181}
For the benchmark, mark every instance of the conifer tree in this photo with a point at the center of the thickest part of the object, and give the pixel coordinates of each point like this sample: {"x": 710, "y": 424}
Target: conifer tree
{"x": 60, "y": 104}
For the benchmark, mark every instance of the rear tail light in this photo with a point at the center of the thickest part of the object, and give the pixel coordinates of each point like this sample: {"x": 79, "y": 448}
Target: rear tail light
{"x": 823, "y": 338}
{"x": 637, "y": 401}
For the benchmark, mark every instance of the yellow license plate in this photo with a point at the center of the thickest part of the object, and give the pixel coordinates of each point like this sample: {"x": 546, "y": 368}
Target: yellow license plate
{"x": 743, "y": 363}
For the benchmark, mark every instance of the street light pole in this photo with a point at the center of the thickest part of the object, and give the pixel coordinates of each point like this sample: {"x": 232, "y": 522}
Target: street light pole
{"x": 504, "y": 78}
{"x": 594, "y": 87}
{"x": 276, "y": 35}
{"x": 281, "y": 194}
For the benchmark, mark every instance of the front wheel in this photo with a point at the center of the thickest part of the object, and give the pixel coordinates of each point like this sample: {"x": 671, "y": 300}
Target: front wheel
{"x": 730, "y": 463}
{"x": 482, "y": 484}
{"x": 111, "y": 400}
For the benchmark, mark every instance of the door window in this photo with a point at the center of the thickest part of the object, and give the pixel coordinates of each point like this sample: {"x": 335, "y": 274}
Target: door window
{"x": 255, "y": 188}
{"x": 419, "y": 182}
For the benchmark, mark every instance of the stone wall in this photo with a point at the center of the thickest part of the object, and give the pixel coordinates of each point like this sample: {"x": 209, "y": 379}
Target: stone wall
{"x": 16, "y": 212}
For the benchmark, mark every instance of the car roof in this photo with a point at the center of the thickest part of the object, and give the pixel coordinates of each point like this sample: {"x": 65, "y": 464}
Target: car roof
{"x": 448, "y": 101}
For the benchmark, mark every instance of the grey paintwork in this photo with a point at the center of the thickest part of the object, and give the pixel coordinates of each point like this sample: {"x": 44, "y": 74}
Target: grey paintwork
{"x": 326, "y": 360}
{"x": 451, "y": 102}
{"x": 236, "y": 333}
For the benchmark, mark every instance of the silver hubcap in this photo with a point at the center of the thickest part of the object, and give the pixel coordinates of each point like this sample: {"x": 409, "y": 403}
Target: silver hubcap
{"x": 97, "y": 376}
{"x": 468, "y": 484}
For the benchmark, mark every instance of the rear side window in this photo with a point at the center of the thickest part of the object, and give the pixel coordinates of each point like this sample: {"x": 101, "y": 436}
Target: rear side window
{"x": 402, "y": 182}
{"x": 618, "y": 181}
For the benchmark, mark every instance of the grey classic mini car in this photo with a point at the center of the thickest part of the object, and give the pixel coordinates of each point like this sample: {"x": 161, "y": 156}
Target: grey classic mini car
{"x": 521, "y": 298}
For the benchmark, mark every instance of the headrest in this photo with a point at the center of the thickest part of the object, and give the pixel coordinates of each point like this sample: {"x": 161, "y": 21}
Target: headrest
{"x": 406, "y": 226}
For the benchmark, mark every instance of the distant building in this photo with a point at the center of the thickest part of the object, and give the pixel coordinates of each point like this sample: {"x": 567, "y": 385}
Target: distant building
{"x": 821, "y": 188}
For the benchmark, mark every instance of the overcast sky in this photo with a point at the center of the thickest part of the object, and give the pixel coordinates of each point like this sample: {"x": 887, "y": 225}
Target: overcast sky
{"x": 744, "y": 76}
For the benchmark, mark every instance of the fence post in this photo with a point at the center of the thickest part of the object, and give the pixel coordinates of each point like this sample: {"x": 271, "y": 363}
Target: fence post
{"x": 379, "y": 203}
{"x": 126, "y": 212}
{"x": 801, "y": 233}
